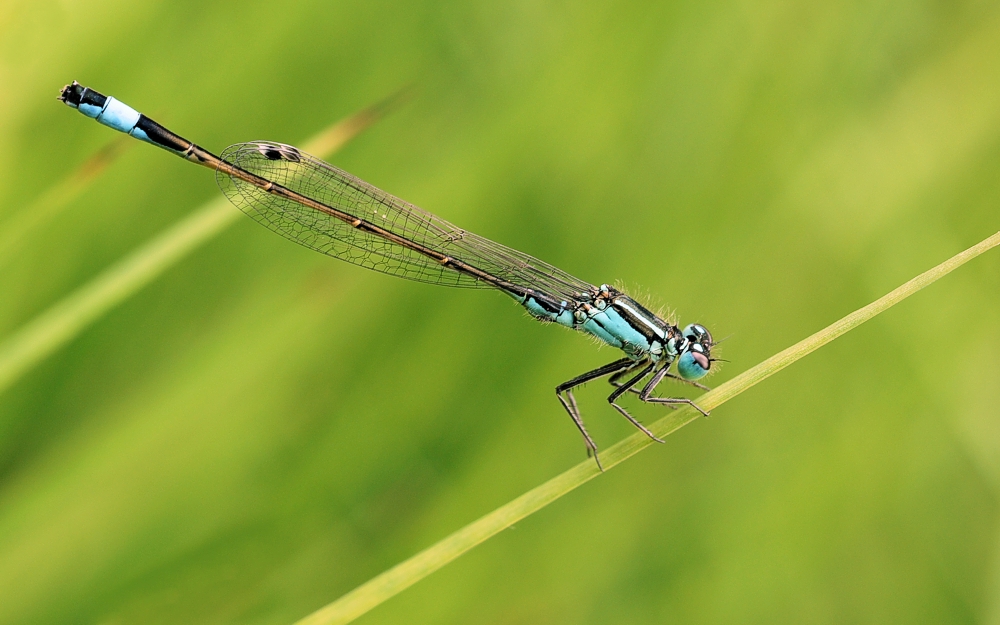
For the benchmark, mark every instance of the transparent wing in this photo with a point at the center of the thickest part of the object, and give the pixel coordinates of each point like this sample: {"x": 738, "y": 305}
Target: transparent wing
{"x": 324, "y": 183}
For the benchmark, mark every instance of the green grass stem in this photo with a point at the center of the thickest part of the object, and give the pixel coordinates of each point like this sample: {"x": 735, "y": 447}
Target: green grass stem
{"x": 405, "y": 574}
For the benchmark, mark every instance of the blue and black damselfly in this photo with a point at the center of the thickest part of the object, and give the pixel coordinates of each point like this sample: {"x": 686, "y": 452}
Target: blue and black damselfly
{"x": 321, "y": 207}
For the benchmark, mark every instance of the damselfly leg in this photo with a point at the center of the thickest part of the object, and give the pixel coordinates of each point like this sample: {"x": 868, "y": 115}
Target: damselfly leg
{"x": 628, "y": 385}
{"x": 616, "y": 381}
{"x": 569, "y": 402}
{"x": 645, "y": 394}
{"x": 678, "y": 378}
{"x": 617, "y": 370}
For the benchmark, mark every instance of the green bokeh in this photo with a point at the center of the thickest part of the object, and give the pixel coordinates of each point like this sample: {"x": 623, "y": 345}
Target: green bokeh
{"x": 265, "y": 428}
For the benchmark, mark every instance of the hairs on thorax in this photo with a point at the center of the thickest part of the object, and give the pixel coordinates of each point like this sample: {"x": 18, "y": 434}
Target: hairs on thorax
{"x": 646, "y": 297}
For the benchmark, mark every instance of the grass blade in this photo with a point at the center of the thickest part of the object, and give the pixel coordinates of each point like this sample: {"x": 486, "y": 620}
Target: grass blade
{"x": 59, "y": 324}
{"x": 405, "y": 574}
{"x": 14, "y": 231}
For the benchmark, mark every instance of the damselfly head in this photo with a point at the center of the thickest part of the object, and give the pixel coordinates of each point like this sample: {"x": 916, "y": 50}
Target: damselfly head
{"x": 696, "y": 357}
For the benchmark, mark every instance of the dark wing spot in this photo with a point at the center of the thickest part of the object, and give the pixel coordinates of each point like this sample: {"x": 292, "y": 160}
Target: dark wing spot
{"x": 279, "y": 153}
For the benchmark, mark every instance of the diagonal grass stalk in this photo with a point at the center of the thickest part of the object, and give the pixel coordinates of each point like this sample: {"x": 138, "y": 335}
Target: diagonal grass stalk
{"x": 405, "y": 574}
{"x": 63, "y": 321}
{"x": 16, "y": 229}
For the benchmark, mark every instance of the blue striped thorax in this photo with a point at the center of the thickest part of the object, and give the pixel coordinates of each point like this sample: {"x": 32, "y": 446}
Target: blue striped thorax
{"x": 622, "y": 322}
{"x": 615, "y": 319}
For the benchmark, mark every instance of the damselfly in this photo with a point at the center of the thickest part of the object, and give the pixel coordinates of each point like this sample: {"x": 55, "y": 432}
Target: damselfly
{"x": 321, "y": 207}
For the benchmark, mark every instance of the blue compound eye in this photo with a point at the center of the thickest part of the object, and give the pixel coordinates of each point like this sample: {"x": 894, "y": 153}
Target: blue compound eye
{"x": 693, "y": 364}
{"x": 697, "y": 333}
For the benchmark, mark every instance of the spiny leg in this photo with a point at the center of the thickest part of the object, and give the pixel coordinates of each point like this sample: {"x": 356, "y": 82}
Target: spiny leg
{"x": 691, "y": 382}
{"x": 625, "y": 387}
{"x": 570, "y": 406}
{"x": 616, "y": 379}
{"x": 645, "y": 396}
{"x": 616, "y": 382}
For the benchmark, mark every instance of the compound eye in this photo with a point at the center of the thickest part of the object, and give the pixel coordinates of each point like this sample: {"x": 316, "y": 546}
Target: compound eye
{"x": 693, "y": 364}
{"x": 697, "y": 333}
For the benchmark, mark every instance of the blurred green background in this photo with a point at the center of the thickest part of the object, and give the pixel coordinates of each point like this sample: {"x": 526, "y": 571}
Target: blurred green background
{"x": 264, "y": 428}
